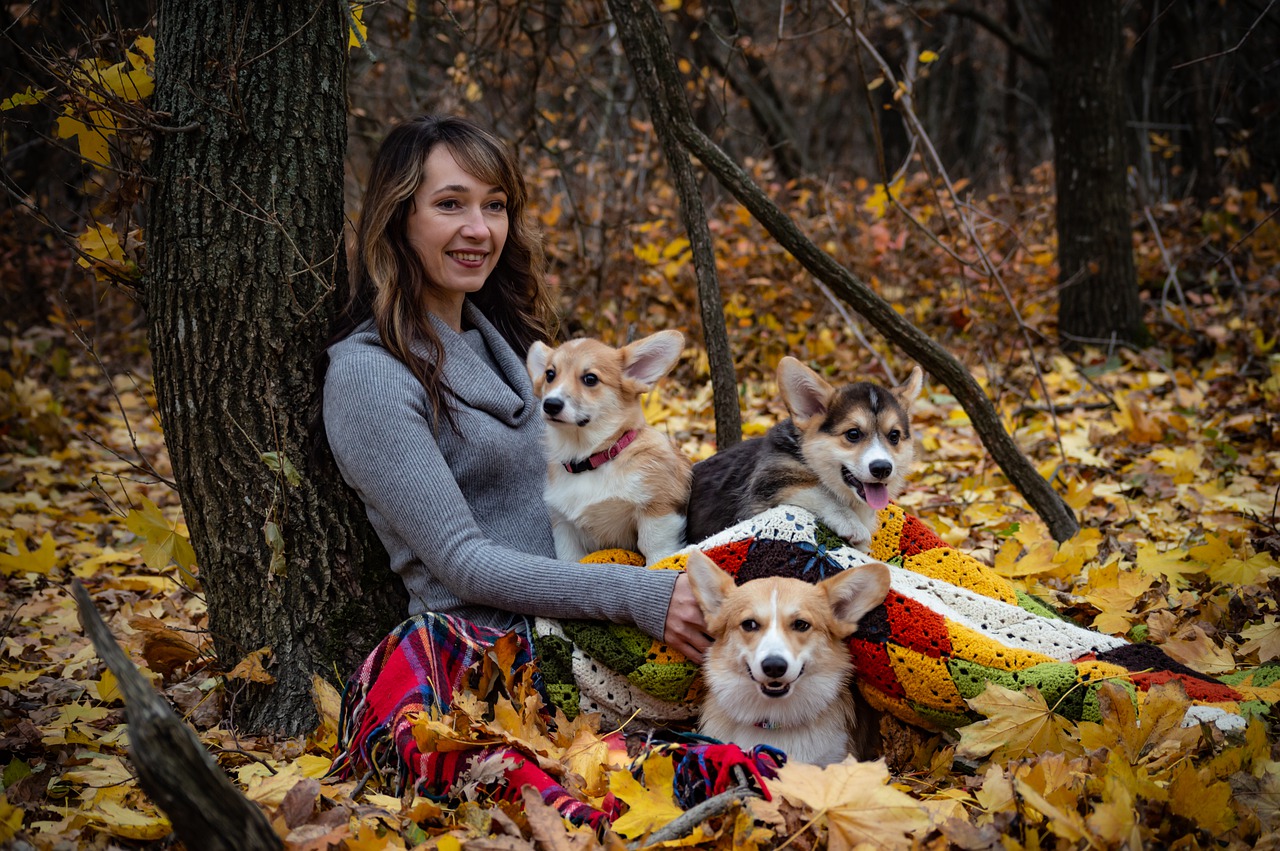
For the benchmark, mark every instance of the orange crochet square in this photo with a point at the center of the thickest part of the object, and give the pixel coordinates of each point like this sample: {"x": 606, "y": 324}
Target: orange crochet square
{"x": 925, "y": 679}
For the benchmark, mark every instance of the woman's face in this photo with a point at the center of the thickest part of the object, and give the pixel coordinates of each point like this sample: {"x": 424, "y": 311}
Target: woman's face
{"x": 458, "y": 226}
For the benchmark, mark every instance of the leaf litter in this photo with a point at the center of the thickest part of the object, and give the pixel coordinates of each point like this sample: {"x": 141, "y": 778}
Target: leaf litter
{"x": 1169, "y": 457}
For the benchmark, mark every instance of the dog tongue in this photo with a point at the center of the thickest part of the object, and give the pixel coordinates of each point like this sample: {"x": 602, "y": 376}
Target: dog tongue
{"x": 877, "y": 495}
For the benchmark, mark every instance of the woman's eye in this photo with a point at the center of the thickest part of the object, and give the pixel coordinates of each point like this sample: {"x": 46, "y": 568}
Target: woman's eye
{"x": 853, "y": 435}
{"x": 551, "y": 375}
{"x": 895, "y": 436}
{"x": 497, "y": 206}
{"x": 447, "y": 204}
{"x": 591, "y": 379}
{"x": 800, "y": 626}
{"x": 749, "y": 625}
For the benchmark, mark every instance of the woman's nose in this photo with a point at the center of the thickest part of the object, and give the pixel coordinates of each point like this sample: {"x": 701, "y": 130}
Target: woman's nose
{"x": 474, "y": 226}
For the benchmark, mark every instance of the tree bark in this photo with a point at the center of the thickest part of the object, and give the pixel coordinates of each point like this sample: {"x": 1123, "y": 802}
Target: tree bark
{"x": 246, "y": 266}
{"x": 644, "y": 25}
{"x": 724, "y": 381}
{"x": 1098, "y": 299}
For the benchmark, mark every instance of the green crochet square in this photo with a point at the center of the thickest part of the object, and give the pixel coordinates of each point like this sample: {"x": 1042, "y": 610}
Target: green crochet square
{"x": 669, "y": 681}
{"x": 1035, "y": 605}
{"x": 619, "y": 647}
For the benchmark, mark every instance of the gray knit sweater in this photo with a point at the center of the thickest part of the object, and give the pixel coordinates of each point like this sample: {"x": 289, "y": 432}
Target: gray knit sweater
{"x": 461, "y": 514}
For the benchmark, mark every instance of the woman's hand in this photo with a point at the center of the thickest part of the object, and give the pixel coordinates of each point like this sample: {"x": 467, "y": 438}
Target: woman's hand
{"x": 685, "y": 630}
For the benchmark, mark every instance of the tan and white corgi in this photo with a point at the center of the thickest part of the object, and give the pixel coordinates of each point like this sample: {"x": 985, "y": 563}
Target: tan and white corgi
{"x": 843, "y": 454}
{"x": 779, "y": 671}
{"x": 612, "y": 479}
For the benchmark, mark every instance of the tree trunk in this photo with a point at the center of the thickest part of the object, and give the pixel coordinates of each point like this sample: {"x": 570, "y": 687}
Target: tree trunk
{"x": 246, "y": 265}
{"x": 1098, "y": 300}
{"x": 724, "y": 381}
{"x": 641, "y": 29}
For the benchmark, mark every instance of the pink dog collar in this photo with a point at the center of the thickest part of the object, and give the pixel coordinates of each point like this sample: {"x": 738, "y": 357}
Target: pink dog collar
{"x": 600, "y": 458}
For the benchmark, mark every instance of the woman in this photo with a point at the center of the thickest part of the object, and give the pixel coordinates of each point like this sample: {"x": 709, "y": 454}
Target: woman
{"x": 432, "y": 419}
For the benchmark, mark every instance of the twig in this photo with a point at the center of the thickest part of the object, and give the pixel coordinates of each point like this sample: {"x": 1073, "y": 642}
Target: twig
{"x": 855, "y": 329}
{"x": 1170, "y": 279}
{"x": 1239, "y": 43}
{"x": 917, "y": 129}
{"x": 716, "y": 805}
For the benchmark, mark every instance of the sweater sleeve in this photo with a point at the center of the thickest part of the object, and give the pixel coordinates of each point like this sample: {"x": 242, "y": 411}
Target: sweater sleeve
{"x": 377, "y": 428}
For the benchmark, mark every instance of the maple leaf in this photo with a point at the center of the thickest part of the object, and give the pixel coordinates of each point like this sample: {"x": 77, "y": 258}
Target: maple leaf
{"x": 1145, "y": 739}
{"x": 253, "y": 668}
{"x": 1262, "y": 638}
{"x": 93, "y": 134}
{"x": 1182, "y": 464}
{"x": 1114, "y": 593}
{"x": 649, "y": 806}
{"x": 41, "y": 560}
{"x": 129, "y": 824}
{"x": 1192, "y": 647}
{"x": 1171, "y": 564}
{"x": 1016, "y": 723}
{"x": 163, "y": 541}
{"x": 857, "y": 802}
{"x": 1195, "y": 796}
{"x": 1114, "y": 819}
{"x": 10, "y": 819}
{"x": 1065, "y": 823}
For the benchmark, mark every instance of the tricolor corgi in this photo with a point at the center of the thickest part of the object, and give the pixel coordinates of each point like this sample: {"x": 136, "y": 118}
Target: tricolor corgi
{"x": 779, "y": 671}
{"x": 612, "y": 479}
{"x": 843, "y": 455}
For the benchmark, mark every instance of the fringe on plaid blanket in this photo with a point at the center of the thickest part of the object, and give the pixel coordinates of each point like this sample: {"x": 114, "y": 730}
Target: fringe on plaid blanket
{"x": 420, "y": 666}
{"x": 423, "y": 663}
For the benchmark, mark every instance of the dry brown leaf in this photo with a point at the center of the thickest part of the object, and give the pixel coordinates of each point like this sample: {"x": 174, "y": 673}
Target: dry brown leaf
{"x": 859, "y": 805}
{"x": 1017, "y": 723}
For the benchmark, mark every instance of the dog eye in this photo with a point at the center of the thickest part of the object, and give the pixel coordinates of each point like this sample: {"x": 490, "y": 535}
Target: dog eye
{"x": 551, "y": 375}
{"x": 800, "y": 626}
{"x": 749, "y": 625}
{"x": 895, "y": 436}
{"x": 591, "y": 379}
{"x": 853, "y": 435}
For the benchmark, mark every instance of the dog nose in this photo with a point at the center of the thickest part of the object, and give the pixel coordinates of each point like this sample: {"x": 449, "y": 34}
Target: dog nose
{"x": 774, "y": 667}
{"x": 881, "y": 469}
{"x": 553, "y": 406}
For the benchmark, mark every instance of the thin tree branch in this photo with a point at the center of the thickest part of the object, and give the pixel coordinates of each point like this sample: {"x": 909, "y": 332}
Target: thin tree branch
{"x": 643, "y": 24}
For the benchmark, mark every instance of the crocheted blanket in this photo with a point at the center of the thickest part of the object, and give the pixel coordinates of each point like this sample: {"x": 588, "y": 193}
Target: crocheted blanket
{"x": 949, "y": 626}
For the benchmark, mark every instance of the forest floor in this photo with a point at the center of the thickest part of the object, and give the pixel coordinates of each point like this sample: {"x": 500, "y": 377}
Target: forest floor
{"x": 1169, "y": 456}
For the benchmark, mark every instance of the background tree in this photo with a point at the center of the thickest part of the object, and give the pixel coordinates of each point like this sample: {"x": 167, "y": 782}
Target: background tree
{"x": 1098, "y": 301}
{"x": 246, "y": 268}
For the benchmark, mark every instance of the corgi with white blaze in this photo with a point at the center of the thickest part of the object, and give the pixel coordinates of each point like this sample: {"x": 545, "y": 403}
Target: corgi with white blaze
{"x": 779, "y": 671}
{"x": 612, "y": 479}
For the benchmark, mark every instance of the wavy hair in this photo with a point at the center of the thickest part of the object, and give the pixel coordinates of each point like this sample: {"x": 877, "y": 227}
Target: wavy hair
{"x": 388, "y": 281}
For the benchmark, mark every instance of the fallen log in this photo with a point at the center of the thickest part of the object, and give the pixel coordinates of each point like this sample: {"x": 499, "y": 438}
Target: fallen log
{"x": 206, "y": 810}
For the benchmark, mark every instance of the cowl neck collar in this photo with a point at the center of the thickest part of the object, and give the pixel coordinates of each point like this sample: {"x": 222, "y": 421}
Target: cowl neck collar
{"x": 471, "y": 378}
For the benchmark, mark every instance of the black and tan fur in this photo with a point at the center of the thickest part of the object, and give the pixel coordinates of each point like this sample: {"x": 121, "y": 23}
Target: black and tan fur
{"x": 840, "y": 448}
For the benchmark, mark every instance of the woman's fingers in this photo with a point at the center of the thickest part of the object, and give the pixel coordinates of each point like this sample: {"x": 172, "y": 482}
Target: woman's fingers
{"x": 685, "y": 630}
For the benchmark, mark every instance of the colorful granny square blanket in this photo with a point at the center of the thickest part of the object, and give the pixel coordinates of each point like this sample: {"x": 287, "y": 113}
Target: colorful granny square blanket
{"x": 949, "y": 626}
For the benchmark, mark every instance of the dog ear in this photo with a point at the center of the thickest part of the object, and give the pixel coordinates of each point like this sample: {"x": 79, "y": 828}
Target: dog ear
{"x": 803, "y": 391}
{"x": 856, "y": 591}
{"x": 908, "y": 390}
{"x": 710, "y": 582}
{"x": 536, "y": 362}
{"x": 649, "y": 358}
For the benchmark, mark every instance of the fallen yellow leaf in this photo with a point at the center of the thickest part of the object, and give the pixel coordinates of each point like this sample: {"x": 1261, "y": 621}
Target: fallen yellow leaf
{"x": 1017, "y": 723}
{"x": 859, "y": 805}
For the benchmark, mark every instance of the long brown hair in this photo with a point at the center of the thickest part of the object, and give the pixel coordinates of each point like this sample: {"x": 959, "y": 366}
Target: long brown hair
{"x": 388, "y": 281}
